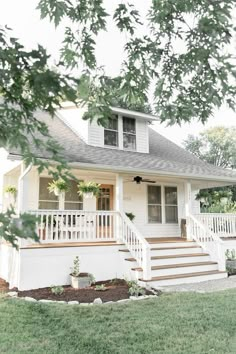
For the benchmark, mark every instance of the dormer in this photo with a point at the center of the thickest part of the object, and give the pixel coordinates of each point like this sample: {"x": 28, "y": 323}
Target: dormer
{"x": 126, "y": 130}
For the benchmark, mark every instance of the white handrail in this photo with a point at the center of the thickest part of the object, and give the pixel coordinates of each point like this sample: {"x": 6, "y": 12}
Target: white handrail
{"x": 138, "y": 246}
{"x": 209, "y": 241}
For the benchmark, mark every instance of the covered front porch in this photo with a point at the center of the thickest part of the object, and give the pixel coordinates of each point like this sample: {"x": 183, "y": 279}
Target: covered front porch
{"x": 157, "y": 204}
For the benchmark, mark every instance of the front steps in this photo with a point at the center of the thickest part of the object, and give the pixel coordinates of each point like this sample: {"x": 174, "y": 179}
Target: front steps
{"x": 175, "y": 261}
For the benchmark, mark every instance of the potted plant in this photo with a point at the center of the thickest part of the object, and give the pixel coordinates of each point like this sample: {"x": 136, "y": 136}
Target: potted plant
{"x": 88, "y": 189}
{"x": 131, "y": 216}
{"x": 230, "y": 256}
{"x": 10, "y": 191}
{"x": 79, "y": 280}
{"x": 58, "y": 187}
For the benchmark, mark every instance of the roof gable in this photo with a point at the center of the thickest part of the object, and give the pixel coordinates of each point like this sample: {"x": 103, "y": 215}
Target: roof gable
{"x": 164, "y": 156}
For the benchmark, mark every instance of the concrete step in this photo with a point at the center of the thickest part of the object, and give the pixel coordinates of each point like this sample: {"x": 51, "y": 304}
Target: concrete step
{"x": 196, "y": 277}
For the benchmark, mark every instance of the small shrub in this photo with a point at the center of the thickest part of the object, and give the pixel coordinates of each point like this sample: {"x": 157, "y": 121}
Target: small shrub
{"x": 100, "y": 287}
{"x": 75, "y": 268}
{"x": 135, "y": 289}
{"x": 57, "y": 290}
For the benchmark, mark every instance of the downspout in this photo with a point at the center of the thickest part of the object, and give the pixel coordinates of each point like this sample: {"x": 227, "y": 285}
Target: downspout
{"x": 20, "y": 201}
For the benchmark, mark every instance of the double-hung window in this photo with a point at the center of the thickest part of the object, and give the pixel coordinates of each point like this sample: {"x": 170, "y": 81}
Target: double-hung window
{"x": 165, "y": 209}
{"x": 47, "y": 200}
{"x": 171, "y": 205}
{"x": 154, "y": 204}
{"x": 111, "y": 137}
{"x": 129, "y": 133}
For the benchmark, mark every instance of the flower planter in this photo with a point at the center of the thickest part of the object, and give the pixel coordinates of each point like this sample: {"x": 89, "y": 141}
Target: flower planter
{"x": 231, "y": 264}
{"x": 88, "y": 195}
{"x": 80, "y": 282}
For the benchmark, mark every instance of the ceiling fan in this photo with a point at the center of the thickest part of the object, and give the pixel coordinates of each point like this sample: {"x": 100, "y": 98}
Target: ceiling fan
{"x": 139, "y": 179}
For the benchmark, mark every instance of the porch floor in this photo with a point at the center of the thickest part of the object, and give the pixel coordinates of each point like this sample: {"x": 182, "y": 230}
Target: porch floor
{"x": 72, "y": 244}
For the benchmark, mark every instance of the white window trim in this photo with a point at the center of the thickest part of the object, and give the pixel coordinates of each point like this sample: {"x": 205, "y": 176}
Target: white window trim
{"x": 167, "y": 205}
{"x": 112, "y": 130}
{"x": 163, "y": 219}
{"x": 154, "y": 223}
{"x": 135, "y": 123}
{"x": 120, "y": 132}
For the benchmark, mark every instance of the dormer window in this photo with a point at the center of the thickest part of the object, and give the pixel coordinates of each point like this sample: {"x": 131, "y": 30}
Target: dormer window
{"x": 111, "y": 132}
{"x": 129, "y": 133}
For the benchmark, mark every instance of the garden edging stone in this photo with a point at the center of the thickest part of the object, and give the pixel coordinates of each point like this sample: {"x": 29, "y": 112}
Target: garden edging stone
{"x": 97, "y": 301}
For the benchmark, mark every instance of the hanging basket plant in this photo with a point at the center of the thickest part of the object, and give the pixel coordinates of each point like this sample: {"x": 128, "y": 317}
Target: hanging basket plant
{"x": 10, "y": 191}
{"x": 88, "y": 189}
{"x": 58, "y": 187}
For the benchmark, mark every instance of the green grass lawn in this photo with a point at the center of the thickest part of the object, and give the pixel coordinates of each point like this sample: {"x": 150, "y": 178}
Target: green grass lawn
{"x": 176, "y": 323}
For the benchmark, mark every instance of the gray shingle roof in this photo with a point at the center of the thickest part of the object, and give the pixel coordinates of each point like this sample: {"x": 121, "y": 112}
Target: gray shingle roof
{"x": 164, "y": 156}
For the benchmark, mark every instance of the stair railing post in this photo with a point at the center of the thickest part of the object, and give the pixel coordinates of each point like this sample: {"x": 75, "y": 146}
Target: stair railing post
{"x": 118, "y": 227}
{"x": 221, "y": 257}
{"x": 146, "y": 262}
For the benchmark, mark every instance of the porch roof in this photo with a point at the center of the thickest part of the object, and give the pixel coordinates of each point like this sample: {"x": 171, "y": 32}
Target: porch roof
{"x": 164, "y": 157}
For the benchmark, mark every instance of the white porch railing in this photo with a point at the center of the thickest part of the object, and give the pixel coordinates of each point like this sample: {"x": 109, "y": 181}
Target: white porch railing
{"x": 136, "y": 244}
{"x": 56, "y": 226}
{"x": 209, "y": 241}
{"x": 75, "y": 226}
{"x": 223, "y": 225}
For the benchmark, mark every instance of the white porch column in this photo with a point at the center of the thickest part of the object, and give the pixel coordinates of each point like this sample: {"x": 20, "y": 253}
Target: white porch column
{"x": 22, "y": 197}
{"x": 187, "y": 203}
{"x": 23, "y": 186}
{"x": 119, "y": 193}
{"x": 61, "y": 200}
{"x": 118, "y": 206}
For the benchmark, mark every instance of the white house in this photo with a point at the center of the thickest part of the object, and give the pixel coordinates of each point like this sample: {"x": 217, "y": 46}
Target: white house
{"x": 140, "y": 172}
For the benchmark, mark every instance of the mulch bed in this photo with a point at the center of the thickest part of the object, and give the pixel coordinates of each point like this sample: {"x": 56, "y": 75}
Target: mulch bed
{"x": 116, "y": 290}
{"x": 3, "y": 286}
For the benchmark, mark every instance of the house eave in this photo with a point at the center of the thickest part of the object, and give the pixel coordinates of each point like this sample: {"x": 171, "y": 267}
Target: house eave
{"x": 118, "y": 110}
{"x": 149, "y": 172}
{"x": 131, "y": 170}
{"x": 134, "y": 114}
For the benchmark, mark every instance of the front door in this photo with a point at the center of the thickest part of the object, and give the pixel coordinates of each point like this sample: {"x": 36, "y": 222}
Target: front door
{"x": 105, "y": 203}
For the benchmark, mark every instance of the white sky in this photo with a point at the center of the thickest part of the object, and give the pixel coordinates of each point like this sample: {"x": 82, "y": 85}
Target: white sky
{"x": 22, "y": 17}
